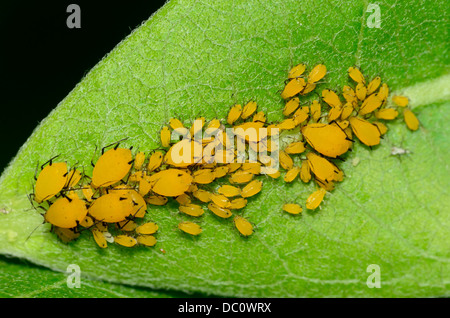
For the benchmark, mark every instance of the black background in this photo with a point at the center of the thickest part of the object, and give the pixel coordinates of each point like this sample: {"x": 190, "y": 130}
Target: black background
{"x": 42, "y": 59}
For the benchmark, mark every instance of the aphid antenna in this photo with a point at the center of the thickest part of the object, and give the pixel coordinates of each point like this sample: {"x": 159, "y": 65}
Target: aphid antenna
{"x": 117, "y": 143}
{"x": 50, "y": 162}
{"x": 34, "y": 230}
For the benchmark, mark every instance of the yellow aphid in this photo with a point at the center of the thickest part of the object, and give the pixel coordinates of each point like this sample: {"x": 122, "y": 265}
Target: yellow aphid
{"x": 219, "y": 211}
{"x": 294, "y": 87}
{"x": 356, "y": 75}
{"x": 275, "y": 174}
{"x": 156, "y": 200}
{"x": 315, "y": 110}
{"x": 144, "y": 185}
{"x": 212, "y": 127}
{"x": 317, "y": 73}
{"x": 349, "y": 94}
{"x": 73, "y": 178}
{"x": 386, "y": 113}
{"x": 381, "y": 127}
{"x": 259, "y": 117}
{"x": 171, "y": 182}
{"x": 176, "y": 124}
{"x": 334, "y": 113}
{"x": 243, "y": 226}
{"x": 197, "y": 126}
{"x": 99, "y": 238}
{"x": 292, "y": 208}
{"x": 125, "y": 240}
{"x": 410, "y": 119}
{"x": 220, "y": 200}
{"x": 202, "y": 195}
{"x": 383, "y": 92}
{"x": 296, "y": 71}
{"x": 251, "y": 189}
{"x": 221, "y": 171}
{"x": 147, "y": 228}
{"x": 127, "y": 225}
{"x": 87, "y": 222}
{"x": 111, "y": 208}
{"x": 155, "y": 161}
{"x": 252, "y": 167}
{"x": 291, "y": 174}
{"x": 343, "y": 124}
{"x": 238, "y": 203}
{"x": 300, "y": 116}
{"x": 366, "y": 132}
{"x": 370, "y": 104}
{"x": 309, "y": 87}
{"x": 184, "y": 153}
{"x": 347, "y": 111}
{"x": 229, "y": 191}
{"x": 241, "y": 176}
{"x": 401, "y": 101}
{"x": 315, "y": 199}
{"x": 139, "y": 204}
{"x": 330, "y": 140}
{"x": 361, "y": 91}
{"x": 285, "y": 160}
{"x": 66, "y": 235}
{"x": 373, "y": 85}
{"x": 249, "y": 109}
{"x": 325, "y": 184}
{"x": 111, "y": 167}
{"x": 165, "y": 136}
{"x": 204, "y": 176}
{"x": 287, "y": 124}
{"x": 139, "y": 160}
{"x": 291, "y": 106}
{"x": 50, "y": 181}
{"x": 183, "y": 199}
{"x": 191, "y": 209}
{"x": 88, "y": 193}
{"x": 66, "y": 213}
{"x": 321, "y": 167}
{"x": 250, "y": 131}
{"x": 234, "y": 114}
{"x": 190, "y": 228}
{"x": 305, "y": 172}
{"x": 147, "y": 240}
{"x": 331, "y": 98}
{"x": 295, "y": 148}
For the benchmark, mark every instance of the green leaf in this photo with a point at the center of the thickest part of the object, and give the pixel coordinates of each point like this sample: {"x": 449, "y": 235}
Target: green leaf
{"x": 199, "y": 58}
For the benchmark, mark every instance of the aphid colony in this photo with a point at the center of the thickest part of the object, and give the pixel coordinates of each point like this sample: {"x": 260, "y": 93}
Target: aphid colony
{"x": 209, "y": 164}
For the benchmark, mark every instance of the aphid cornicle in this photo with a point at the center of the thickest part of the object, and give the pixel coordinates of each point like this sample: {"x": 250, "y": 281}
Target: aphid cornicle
{"x": 111, "y": 167}
{"x": 50, "y": 181}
